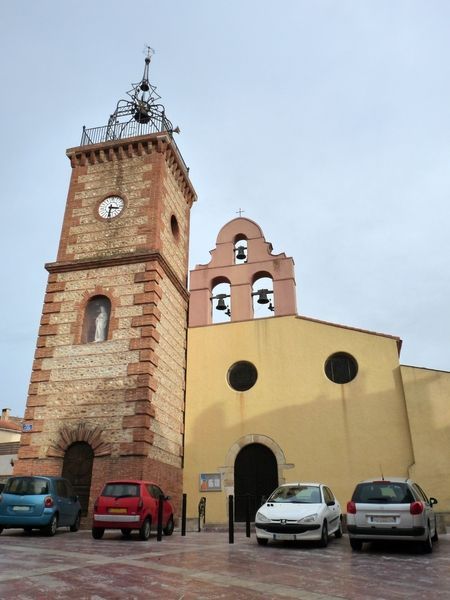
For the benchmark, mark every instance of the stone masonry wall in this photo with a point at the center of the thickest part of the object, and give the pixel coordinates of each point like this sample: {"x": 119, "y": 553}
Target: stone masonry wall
{"x": 124, "y": 396}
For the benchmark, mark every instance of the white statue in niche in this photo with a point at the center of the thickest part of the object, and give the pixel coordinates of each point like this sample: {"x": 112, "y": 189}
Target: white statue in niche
{"x": 101, "y": 322}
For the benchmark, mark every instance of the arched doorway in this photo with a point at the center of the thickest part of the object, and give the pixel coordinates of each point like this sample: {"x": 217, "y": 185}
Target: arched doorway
{"x": 255, "y": 477}
{"x": 77, "y": 468}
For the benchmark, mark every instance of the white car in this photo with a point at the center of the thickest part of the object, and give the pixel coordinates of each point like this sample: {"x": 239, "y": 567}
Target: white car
{"x": 394, "y": 508}
{"x": 299, "y": 511}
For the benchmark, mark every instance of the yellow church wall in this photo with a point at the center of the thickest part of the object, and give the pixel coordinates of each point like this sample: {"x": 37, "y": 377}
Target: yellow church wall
{"x": 322, "y": 431}
{"x": 427, "y": 394}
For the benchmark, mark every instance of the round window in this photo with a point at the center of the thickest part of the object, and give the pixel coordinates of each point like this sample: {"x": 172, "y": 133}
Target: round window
{"x": 341, "y": 367}
{"x": 242, "y": 376}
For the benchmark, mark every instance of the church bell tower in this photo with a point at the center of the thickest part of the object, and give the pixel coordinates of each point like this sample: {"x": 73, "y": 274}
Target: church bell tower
{"x": 106, "y": 398}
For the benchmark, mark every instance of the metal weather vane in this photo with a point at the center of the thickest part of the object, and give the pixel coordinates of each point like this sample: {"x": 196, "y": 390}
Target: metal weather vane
{"x": 141, "y": 109}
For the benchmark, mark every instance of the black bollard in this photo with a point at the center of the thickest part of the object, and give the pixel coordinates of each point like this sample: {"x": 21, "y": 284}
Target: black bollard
{"x": 230, "y": 520}
{"x": 160, "y": 518}
{"x": 247, "y": 516}
{"x": 183, "y": 515}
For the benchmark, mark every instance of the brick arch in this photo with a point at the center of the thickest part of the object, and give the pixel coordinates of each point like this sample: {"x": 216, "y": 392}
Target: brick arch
{"x": 80, "y": 433}
{"x": 254, "y": 438}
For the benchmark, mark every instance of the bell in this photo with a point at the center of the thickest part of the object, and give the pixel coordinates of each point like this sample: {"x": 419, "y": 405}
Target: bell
{"x": 141, "y": 116}
{"x": 263, "y": 299}
{"x": 221, "y": 302}
{"x": 240, "y": 253}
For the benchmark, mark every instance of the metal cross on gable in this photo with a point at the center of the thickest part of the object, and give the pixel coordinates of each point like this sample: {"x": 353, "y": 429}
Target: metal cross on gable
{"x": 240, "y": 211}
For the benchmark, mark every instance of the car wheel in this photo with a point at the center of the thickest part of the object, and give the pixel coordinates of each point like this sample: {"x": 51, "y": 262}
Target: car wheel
{"x": 262, "y": 541}
{"x": 126, "y": 533}
{"x": 427, "y": 545}
{"x": 76, "y": 523}
{"x": 338, "y": 532}
{"x": 51, "y": 528}
{"x": 144, "y": 531}
{"x": 356, "y": 544}
{"x": 168, "y": 529}
{"x": 97, "y": 533}
{"x": 323, "y": 543}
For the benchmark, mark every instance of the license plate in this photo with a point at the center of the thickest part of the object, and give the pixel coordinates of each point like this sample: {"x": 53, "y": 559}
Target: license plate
{"x": 282, "y": 536}
{"x": 21, "y": 508}
{"x": 381, "y": 519}
{"x": 118, "y": 511}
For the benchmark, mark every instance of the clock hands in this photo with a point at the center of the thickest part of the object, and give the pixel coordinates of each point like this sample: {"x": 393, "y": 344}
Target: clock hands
{"x": 111, "y": 207}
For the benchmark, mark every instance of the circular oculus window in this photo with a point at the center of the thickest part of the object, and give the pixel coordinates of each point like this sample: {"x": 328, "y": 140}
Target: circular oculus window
{"x": 242, "y": 376}
{"x": 341, "y": 368}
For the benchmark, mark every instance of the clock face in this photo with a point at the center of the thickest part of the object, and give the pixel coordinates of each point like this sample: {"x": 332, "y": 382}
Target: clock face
{"x": 111, "y": 207}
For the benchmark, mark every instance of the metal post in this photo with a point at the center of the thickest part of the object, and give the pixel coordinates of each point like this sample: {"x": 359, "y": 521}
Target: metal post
{"x": 183, "y": 515}
{"x": 160, "y": 518}
{"x": 230, "y": 520}
{"x": 247, "y": 516}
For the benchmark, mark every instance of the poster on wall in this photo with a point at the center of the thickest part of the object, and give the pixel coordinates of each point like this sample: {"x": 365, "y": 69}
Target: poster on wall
{"x": 210, "y": 482}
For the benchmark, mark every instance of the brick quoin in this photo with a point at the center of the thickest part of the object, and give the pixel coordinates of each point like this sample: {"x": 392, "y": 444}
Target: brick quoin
{"x": 113, "y": 395}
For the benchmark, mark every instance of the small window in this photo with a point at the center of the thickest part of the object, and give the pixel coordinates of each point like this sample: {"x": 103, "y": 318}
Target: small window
{"x": 174, "y": 227}
{"x": 341, "y": 367}
{"x": 242, "y": 376}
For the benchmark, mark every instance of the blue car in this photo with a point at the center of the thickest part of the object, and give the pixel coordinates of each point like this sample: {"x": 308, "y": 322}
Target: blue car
{"x": 44, "y": 503}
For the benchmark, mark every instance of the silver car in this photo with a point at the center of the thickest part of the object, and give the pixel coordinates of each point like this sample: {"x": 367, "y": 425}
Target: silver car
{"x": 391, "y": 509}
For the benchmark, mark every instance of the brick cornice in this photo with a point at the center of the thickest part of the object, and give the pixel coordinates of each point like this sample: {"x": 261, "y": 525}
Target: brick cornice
{"x": 116, "y": 150}
{"x": 113, "y": 261}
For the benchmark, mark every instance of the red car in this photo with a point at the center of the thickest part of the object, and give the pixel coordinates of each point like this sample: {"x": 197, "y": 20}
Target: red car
{"x": 128, "y": 504}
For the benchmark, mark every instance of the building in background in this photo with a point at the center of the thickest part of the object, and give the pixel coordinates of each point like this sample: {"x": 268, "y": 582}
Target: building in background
{"x": 10, "y": 431}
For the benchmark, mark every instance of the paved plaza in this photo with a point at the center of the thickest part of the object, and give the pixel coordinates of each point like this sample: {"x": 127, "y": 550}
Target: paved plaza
{"x": 205, "y": 566}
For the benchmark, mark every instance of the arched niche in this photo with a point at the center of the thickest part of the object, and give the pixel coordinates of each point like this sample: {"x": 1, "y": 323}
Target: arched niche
{"x": 263, "y": 299}
{"x": 97, "y": 315}
{"x": 220, "y": 301}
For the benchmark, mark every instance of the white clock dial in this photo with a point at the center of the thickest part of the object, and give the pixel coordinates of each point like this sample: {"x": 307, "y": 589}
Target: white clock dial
{"x": 111, "y": 207}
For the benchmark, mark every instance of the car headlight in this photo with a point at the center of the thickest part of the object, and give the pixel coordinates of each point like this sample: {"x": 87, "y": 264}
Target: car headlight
{"x": 309, "y": 518}
{"x": 261, "y": 518}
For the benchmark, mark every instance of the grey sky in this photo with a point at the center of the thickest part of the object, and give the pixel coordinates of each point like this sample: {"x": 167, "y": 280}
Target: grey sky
{"x": 328, "y": 122}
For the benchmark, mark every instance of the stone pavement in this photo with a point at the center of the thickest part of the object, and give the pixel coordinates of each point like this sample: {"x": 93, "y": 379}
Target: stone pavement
{"x": 203, "y": 566}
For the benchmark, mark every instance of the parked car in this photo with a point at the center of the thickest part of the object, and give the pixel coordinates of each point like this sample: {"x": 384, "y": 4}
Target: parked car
{"x": 131, "y": 504}
{"x": 299, "y": 511}
{"x": 391, "y": 509}
{"x": 44, "y": 503}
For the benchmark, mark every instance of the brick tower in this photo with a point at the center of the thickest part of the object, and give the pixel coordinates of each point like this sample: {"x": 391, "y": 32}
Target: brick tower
{"x": 106, "y": 397}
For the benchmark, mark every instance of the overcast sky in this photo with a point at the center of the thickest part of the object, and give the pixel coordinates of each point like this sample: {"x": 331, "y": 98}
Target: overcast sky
{"x": 327, "y": 122}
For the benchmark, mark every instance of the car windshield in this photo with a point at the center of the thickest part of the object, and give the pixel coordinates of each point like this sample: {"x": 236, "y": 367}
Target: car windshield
{"x": 121, "y": 490}
{"x": 297, "y": 494}
{"x": 26, "y": 486}
{"x": 383, "y": 492}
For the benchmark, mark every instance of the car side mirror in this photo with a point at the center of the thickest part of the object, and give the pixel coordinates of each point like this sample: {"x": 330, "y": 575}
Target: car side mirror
{"x": 331, "y": 502}
{"x": 167, "y": 497}
{"x": 433, "y": 501}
